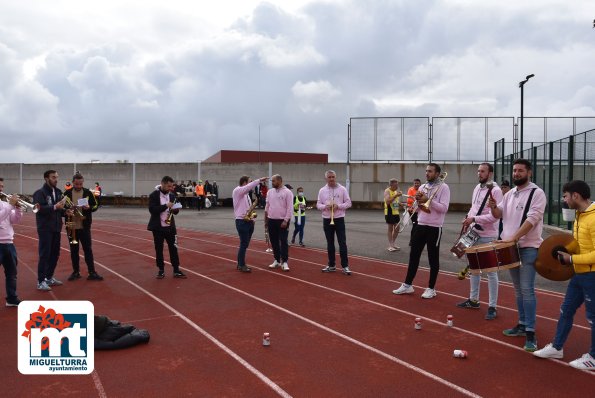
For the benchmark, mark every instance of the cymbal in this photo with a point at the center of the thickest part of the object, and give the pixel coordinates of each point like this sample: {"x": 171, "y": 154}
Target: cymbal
{"x": 547, "y": 264}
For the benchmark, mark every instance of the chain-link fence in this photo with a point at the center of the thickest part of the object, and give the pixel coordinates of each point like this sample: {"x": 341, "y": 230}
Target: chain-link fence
{"x": 554, "y": 164}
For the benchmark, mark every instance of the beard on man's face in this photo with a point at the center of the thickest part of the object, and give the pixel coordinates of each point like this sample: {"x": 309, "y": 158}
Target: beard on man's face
{"x": 520, "y": 181}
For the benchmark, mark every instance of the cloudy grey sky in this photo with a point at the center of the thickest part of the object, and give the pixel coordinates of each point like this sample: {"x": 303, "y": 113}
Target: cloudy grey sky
{"x": 179, "y": 80}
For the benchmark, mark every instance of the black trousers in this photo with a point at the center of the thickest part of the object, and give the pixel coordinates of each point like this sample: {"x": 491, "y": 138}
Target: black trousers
{"x": 172, "y": 245}
{"x": 423, "y": 235}
{"x": 49, "y": 253}
{"x": 329, "y": 233}
{"x": 278, "y": 237}
{"x": 83, "y": 236}
{"x": 413, "y": 227}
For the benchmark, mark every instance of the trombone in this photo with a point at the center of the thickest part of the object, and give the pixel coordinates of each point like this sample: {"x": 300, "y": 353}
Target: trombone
{"x": 23, "y": 204}
{"x": 425, "y": 207}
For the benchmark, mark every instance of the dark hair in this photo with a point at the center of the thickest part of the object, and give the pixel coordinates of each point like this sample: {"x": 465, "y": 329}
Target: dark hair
{"x": 77, "y": 176}
{"x": 505, "y": 183}
{"x": 1, "y": 179}
{"x": 244, "y": 179}
{"x": 437, "y": 168}
{"x": 48, "y": 172}
{"x": 416, "y": 179}
{"x": 167, "y": 179}
{"x": 578, "y": 186}
{"x": 298, "y": 188}
{"x": 524, "y": 162}
{"x": 490, "y": 167}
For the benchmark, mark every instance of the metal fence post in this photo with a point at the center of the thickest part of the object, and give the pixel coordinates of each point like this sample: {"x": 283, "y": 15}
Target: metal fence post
{"x": 571, "y": 158}
{"x": 550, "y": 190}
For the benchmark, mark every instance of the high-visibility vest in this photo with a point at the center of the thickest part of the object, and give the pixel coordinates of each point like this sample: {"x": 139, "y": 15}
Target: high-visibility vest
{"x": 394, "y": 206}
{"x": 296, "y": 205}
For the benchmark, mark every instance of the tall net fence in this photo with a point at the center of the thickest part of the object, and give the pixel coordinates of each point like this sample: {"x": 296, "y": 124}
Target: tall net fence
{"x": 554, "y": 164}
{"x": 452, "y": 139}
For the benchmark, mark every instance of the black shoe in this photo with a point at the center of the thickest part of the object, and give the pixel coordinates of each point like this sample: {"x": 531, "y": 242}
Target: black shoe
{"x": 293, "y": 241}
{"x": 469, "y": 304}
{"x": 94, "y": 276}
{"x": 74, "y": 276}
{"x": 160, "y": 274}
{"x": 302, "y": 244}
{"x": 179, "y": 274}
{"x": 492, "y": 313}
{"x": 13, "y": 303}
{"x": 245, "y": 269}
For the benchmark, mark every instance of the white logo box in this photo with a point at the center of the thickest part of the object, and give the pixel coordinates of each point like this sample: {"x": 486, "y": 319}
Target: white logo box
{"x": 56, "y": 337}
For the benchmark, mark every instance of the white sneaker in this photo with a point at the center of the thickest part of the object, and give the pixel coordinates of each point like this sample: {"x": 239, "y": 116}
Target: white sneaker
{"x": 404, "y": 289}
{"x": 285, "y": 267}
{"x": 53, "y": 282}
{"x": 43, "y": 286}
{"x": 549, "y": 352}
{"x": 586, "y": 362}
{"x": 275, "y": 264}
{"x": 429, "y": 293}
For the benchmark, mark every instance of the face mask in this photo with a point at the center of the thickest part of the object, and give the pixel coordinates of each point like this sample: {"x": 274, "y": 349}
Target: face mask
{"x": 300, "y": 194}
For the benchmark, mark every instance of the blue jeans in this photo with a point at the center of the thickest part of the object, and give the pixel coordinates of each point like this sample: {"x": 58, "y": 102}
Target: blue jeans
{"x": 580, "y": 289}
{"x": 8, "y": 259}
{"x": 523, "y": 278}
{"x": 299, "y": 228}
{"x": 245, "y": 230}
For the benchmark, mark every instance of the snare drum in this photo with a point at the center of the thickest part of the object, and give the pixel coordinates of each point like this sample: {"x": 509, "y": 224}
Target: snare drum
{"x": 493, "y": 256}
{"x": 466, "y": 240}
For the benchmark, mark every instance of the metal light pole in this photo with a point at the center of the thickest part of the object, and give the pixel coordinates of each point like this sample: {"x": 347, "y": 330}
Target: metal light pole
{"x": 521, "y": 85}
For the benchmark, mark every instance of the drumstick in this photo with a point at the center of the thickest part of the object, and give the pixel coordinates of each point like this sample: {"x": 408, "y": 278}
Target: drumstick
{"x": 490, "y": 186}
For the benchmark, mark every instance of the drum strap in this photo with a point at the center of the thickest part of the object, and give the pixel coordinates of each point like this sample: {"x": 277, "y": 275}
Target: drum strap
{"x": 483, "y": 204}
{"x": 527, "y": 207}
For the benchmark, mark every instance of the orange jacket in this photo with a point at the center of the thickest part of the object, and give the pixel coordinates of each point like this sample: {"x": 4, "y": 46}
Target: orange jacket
{"x": 200, "y": 190}
{"x": 411, "y": 192}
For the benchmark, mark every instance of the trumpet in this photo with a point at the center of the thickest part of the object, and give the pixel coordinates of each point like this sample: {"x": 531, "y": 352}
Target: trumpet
{"x": 170, "y": 216}
{"x": 425, "y": 207}
{"x": 333, "y": 210}
{"x": 71, "y": 230}
{"x": 23, "y": 204}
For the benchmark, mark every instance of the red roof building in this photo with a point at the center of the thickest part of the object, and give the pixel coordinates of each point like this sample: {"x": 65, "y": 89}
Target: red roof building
{"x": 227, "y": 156}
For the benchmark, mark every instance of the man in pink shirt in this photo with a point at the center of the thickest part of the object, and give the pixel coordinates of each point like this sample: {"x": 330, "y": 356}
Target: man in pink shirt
{"x": 244, "y": 223}
{"x": 277, "y": 216}
{"x": 522, "y": 210}
{"x": 428, "y": 231}
{"x": 333, "y": 201}
{"x": 480, "y": 218}
{"x": 10, "y": 213}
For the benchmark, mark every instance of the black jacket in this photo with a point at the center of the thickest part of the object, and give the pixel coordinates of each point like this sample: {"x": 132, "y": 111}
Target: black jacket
{"x": 48, "y": 219}
{"x": 156, "y": 208}
{"x": 93, "y": 205}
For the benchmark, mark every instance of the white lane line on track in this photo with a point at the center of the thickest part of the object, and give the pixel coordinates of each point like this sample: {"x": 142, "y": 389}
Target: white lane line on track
{"x": 307, "y": 320}
{"x": 206, "y": 334}
{"x": 284, "y": 275}
{"x": 94, "y": 375}
{"x": 364, "y": 258}
{"x": 365, "y": 275}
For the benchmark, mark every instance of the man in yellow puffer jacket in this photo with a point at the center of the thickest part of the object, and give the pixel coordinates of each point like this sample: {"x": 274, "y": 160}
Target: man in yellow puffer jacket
{"x": 581, "y": 287}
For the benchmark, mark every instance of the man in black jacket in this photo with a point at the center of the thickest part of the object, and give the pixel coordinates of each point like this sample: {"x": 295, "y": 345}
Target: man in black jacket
{"x": 49, "y": 225}
{"x": 80, "y": 232}
{"x": 163, "y": 226}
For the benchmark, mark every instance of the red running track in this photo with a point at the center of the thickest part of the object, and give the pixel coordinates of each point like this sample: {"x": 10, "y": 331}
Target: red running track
{"x": 332, "y": 335}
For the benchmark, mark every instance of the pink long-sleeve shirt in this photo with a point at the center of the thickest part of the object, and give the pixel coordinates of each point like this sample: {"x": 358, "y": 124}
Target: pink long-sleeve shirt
{"x": 337, "y": 194}
{"x": 8, "y": 215}
{"x": 279, "y": 204}
{"x": 512, "y": 207}
{"x": 438, "y": 206}
{"x": 241, "y": 200}
{"x": 486, "y": 220}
